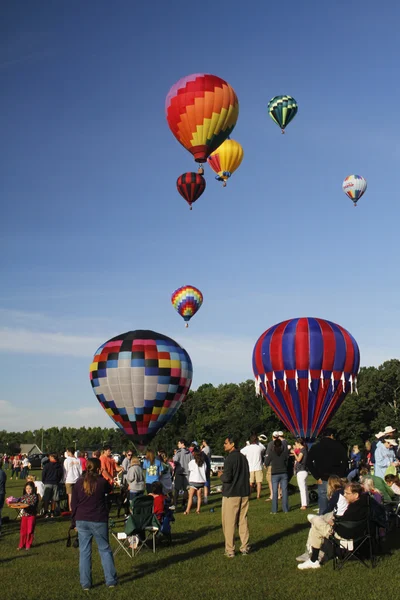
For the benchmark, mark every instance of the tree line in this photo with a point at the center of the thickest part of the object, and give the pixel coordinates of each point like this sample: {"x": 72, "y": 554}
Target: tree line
{"x": 211, "y": 412}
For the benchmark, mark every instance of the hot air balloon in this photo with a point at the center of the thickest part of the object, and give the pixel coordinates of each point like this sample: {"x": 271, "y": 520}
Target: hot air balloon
{"x": 201, "y": 111}
{"x": 226, "y": 159}
{"x": 304, "y": 369}
{"x": 141, "y": 379}
{"x": 187, "y": 300}
{"x": 191, "y": 186}
{"x": 282, "y": 109}
{"x": 354, "y": 186}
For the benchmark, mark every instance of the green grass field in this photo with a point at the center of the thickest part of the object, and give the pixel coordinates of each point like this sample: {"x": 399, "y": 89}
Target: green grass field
{"x": 194, "y": 564}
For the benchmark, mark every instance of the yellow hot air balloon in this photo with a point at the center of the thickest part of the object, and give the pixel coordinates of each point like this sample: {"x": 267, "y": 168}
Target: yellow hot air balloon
{"x": 226, "y": 159}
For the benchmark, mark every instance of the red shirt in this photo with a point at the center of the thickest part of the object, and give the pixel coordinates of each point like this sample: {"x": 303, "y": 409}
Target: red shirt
{"x": 158, "y": 504}
{"x": 83, "y": 463}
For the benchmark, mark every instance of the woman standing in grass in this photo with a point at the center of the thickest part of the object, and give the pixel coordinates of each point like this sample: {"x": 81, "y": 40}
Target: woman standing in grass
{"x": 28, "y": 518}
{"x": 90, "y": 517}
{"x": 153, "y": 469}
{"x": 300, "y": 456}
{"x": 277, "y": 457}
{"x": 197, "y": 479}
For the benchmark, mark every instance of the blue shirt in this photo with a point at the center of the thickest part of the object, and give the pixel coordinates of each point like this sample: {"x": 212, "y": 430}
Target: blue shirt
{"x": 153, "y": 471}
{"x": 383, "y": 457}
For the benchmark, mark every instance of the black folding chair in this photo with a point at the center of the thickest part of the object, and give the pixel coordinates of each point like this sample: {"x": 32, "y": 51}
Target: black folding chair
{"x": 358, "y": 543}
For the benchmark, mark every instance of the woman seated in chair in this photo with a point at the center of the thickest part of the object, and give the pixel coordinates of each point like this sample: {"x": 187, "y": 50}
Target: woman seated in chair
{"x": 357, "y": 510}
{"x": 337, "y": 504}
{"x": 393, "y": 482}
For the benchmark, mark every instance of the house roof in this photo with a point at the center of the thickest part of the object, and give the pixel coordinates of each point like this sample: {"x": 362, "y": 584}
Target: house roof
{"x": 30, "y": 449}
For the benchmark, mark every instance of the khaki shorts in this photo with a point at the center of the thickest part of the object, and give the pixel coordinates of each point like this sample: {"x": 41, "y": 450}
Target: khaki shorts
{"x": 68, "y": 487}
{"x": 256, "y": 477}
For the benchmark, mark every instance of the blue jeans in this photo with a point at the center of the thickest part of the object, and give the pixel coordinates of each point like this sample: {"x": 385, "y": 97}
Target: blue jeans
{"x": 88, "y": 530}
{"x": 282, "y": 479}
{"x": 322, "y": 497}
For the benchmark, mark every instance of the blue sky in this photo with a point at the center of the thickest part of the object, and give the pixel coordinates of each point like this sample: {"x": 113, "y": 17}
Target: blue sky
{"x": 94, "y": 236}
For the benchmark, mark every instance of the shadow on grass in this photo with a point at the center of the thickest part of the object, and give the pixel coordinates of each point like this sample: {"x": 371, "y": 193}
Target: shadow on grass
{"x": 12, "y": 558}
{"x": 155, "y": 565}
{"x": 276, "y": 537}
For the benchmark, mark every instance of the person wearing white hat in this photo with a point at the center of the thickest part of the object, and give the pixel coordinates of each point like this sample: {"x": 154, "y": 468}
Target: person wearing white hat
{"x": 385, "y": 456}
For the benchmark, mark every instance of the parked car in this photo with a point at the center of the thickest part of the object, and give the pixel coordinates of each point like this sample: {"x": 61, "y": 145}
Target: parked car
{"x": 36, "y": 460}
{"x": 217, "y": 464}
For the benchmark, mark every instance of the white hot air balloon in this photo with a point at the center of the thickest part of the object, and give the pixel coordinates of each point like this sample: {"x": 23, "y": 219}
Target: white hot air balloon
{"x": 354, "y": 186}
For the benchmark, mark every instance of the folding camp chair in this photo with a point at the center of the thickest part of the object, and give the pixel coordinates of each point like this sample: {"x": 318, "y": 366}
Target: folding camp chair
{"x": 141, "y": 527}
{"x": 125, "y": 542}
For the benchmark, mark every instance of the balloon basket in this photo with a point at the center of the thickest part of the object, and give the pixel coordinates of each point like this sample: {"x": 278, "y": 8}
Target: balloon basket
{"x": 190, "y": 207}
{"x": 200, "y": 171}
{"x": 283, "y": 132}
{"x": 186, "y": 324}
{"x": 224, "y": 184}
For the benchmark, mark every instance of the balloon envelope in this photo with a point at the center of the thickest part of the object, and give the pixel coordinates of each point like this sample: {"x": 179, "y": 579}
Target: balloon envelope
{"x": 226, "y": 159}
{"x": 191, "y": 186}
{"x": 282, "y": 109}
{"x": 141, "y": 379}
{"x": 187, "y": 300}
{"x": 304, "y": 368}
{"x": 354, "y": 187}
{"x": 201, "y": 111}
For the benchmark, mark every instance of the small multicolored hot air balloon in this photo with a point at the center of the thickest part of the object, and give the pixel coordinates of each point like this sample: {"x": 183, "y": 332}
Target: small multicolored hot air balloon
{"x": 187, "y": 300}
{"x": 201, "y": 111}
{"x": 226, "y": 159}
{"x": 191, "y": 186}
{"x": 354, "y": 186}
{"x": 141, "y": 379}
{"x": 282, "y": 109}
{"x": 304, "y": 369}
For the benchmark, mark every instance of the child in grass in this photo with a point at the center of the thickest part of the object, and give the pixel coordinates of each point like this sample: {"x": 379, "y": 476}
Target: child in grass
{"x": 28, "y": 519}
{"x": 159, "y": 499}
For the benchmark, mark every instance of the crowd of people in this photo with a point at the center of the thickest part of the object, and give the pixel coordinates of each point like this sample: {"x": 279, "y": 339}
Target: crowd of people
{"x": 344, "y": 483}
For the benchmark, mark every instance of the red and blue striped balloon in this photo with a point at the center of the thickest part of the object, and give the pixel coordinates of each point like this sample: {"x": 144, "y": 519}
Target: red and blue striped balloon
{"x": 304, "y": 368}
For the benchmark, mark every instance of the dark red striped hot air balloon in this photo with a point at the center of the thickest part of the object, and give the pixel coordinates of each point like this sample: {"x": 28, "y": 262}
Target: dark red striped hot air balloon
{"x": 304, "y": 369}
{"x": 191, "y": 186}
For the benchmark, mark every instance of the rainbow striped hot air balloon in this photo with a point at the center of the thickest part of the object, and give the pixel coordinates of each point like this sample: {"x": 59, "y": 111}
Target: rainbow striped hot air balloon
{"x": 226, "y": 159}
{"x": 201, "y": 111}
{"x": 187, "y": 300}
{"x": 354, "y": 186}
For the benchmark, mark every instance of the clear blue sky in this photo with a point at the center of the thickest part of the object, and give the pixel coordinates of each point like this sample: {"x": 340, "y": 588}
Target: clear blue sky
{"x": 94, "y": 236}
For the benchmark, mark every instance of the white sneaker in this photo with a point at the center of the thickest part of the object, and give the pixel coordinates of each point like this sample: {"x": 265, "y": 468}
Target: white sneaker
{"x": 309, "y": 564}
{"x": 303, "y": 557}
{"x": 311, "y": 517}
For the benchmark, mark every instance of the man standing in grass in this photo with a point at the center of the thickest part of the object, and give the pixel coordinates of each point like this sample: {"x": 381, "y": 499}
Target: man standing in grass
{"x": 254, "y": 452}
{"x": 235, "y": 497}
{"x": 72, "y": 471}
{"x": 325, "y": 458}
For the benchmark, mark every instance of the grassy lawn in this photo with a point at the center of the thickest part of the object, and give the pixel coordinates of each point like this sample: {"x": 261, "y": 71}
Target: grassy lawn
{"x": 194, "y": 564}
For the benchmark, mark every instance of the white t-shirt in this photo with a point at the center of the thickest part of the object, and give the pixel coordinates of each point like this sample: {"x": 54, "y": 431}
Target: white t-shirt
{"x": 39, "y": 488}
{"x": 72, "y": 469}
{"x": 197, "y": 474}
{"x": 254, "y": 454}
{"x": 341, "y": 505}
